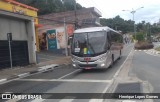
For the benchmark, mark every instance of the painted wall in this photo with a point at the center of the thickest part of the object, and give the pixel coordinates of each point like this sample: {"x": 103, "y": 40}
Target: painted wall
{"x": 61, "y": 39}
{"x": 13, "y": 7}
{"x": 51, "y": 39}
{"x": 59, "y": 36}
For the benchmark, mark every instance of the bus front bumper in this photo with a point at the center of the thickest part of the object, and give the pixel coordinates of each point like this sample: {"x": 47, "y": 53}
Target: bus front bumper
{"x": 90, "y": 65}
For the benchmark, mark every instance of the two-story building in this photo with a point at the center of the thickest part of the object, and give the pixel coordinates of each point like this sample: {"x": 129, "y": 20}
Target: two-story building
{"x": 58, "y": 27}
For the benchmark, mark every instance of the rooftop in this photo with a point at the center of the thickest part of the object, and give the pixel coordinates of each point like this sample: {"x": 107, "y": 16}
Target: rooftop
{"x": 21, "y": 5}
{"x": 92, "y": 29}
{"x": 68, "y": 13}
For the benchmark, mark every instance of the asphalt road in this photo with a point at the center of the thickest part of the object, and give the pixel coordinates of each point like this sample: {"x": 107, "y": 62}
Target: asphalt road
{"x": 66, "y": 79}
{"x": 147, "y": 68}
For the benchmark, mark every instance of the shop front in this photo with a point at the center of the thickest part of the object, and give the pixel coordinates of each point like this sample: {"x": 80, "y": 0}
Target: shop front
{"x": 21, "y": 21}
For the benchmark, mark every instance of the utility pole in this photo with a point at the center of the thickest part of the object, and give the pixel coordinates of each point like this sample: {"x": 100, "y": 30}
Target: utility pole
{"x": 46, "y": 1}
{"x": 133, "y": 12}
{"x": 75, "y": 12}
{"x": 66, "y": 37}
{"x": 9, "y": 37}
{"x": 149, "y": 32}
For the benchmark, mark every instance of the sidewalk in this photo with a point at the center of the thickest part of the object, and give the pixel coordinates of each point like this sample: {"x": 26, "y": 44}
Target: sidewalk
{"x": 19, "y": 72}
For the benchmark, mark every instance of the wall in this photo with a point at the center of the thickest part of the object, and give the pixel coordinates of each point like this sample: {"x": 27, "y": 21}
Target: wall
{"x": 16, "y": 7}
{"x": 31, "y": 41}
{"x": 16, "y": 26}
{"x": 22, "y": 28}
{"x": 60, "y": 35}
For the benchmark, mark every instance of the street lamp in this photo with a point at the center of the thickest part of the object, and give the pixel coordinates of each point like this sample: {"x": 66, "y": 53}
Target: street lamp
{"x": 133, "y": 12}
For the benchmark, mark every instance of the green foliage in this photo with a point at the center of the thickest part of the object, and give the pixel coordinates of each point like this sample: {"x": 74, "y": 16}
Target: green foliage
{"x": 155, "y": 30}
{"x": 51, "y": 6}
{"x": 69, "y": 4}
{"x": 148, "y": 29}
{"x": 118, "y": 23}
{"x": 140, "y": 36}
{"x": 127, "y": 26}
{"x": 157, "y": 48}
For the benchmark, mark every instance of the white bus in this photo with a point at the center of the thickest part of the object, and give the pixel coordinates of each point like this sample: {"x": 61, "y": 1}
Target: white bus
{"x": 95, "y": 47}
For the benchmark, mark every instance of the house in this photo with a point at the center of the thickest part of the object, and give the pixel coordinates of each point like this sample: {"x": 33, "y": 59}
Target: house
{"x": 61, "y": 26}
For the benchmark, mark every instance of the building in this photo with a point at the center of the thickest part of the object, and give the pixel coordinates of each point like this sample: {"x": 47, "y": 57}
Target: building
{"x": 21, "y": 21}
{"x": 58, "y": 27}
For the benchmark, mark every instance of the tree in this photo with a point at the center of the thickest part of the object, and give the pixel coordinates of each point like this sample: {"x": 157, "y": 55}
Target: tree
{"x": 70, "y": 5}
{"x": 155, "y": 30}
{"x": 51, "y": 6}
{"x": 106, "y": 22}
{"x": 118, "y": 23}
{"x": 140, "y": 36}
{"x": 126, "y": 26}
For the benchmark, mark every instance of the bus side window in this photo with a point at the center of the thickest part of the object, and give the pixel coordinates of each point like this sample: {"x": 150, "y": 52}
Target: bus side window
{"x": 109, "y": 39}
{"x": 113, "y": 37}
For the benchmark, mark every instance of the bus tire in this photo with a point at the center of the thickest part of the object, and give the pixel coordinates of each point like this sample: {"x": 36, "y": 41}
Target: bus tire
{"x": 120, "y": 54}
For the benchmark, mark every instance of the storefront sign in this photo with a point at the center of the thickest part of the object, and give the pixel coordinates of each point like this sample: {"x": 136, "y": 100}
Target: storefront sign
{"x": 16, "y": 7}
{"x": 19, "y": 10}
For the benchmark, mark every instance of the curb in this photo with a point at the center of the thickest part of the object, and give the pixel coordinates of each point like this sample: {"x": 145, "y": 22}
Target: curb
{"x": 157, "y": 52}
{"x": 39, "y": 70}
{"x": 150, "y": 51}
{"x": 153, "y": 51}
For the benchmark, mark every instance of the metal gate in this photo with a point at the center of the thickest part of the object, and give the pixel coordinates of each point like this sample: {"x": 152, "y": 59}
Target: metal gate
{"x": 19, "y": 53}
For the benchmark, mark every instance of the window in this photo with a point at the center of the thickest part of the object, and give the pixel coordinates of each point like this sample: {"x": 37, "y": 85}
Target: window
{"x": 89, "y": 44}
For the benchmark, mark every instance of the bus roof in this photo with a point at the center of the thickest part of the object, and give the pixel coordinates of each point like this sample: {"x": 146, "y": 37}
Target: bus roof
{"x": 93, "y": 29}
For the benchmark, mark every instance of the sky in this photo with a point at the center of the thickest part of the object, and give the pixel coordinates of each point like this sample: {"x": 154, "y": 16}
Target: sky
{"x": 111, "y": 8}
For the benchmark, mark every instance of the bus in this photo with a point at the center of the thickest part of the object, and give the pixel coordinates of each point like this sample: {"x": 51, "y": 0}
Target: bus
{"x": 95, "y": 47}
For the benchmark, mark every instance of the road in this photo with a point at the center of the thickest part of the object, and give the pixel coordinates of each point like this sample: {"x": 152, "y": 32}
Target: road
{"x": 147, "y": 68}
{"x": 66, "y": 79}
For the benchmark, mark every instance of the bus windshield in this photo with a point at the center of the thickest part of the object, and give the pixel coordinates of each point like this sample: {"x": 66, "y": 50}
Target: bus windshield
{"x": 89, "y": 44}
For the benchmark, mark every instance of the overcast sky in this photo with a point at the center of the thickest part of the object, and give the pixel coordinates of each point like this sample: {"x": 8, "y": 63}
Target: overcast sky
{"x": 112, "y": 8}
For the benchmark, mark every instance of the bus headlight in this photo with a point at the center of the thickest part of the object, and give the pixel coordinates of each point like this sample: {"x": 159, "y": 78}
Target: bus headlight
{"x": 74, "y": 65}
{"x": 102, "y": 64}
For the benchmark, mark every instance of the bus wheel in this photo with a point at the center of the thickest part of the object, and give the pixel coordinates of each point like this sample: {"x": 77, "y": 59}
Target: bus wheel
{"x": 120, "y": 54}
